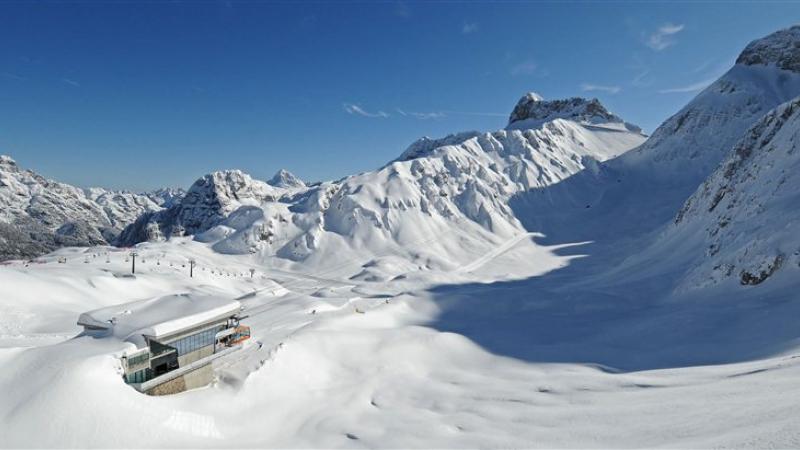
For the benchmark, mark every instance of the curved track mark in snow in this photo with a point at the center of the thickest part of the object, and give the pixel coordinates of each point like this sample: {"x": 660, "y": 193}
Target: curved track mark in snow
{"x": 506, "y": 246}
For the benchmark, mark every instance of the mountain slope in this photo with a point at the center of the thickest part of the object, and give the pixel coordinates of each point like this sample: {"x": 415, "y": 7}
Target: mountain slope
{"x": 738, "y": 225}
{"x": 638, "y": 193}
{"x": 746, "y": 214}
{"x": 448, "y": 196}
{"x": 38, "y": 215}
{"x": 285, "y": 179}
{"x": 691, "y": 143}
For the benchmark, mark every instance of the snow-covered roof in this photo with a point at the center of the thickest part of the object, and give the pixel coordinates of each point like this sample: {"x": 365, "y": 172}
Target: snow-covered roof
{"x": 160, "y": 316}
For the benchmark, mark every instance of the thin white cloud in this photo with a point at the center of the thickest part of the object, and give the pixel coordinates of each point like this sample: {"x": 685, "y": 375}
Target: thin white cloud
{"x": 525, "y": 68}
{"x": 473, "y": 113}
{"x": 351, "y": 108}
{"x": 12, "y": 76}
{"x": 662, "y": 38}
{"x": 588, "y": 87}
{"x": 694, "y": 87}
{"x": 421, "y": 115}
{"x": 357, "y": 110}
{"x": 642, "y": 79}
{"x": 469, "y": 27}
{"x": 702, "y": 66}
{"x": 71, "y": 82}
{"x": 641, "y": 71}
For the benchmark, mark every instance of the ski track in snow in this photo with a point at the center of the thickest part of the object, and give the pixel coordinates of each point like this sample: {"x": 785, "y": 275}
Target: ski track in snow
{"x": 496, "y": 252}
{"x": 392, "y": 380}
{"x": 410, "y": 307}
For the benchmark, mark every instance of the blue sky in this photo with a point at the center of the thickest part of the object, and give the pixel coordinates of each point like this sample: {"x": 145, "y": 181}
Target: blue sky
{"x": 141, "y": 95}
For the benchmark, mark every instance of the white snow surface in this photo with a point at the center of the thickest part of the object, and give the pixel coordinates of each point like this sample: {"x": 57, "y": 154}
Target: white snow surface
{"x": 73, "y": 215}
{"x": 522, "y": 288}
{"x": 285, "y": 179}
{"x": 745, "y": 215}
{"x": 424, "y": 360}
{"x": 441, "y": 201}
{"x": 159, "y": 316}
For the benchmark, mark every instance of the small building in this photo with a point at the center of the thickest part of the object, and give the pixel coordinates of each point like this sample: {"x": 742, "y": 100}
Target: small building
{"x": 177, "y": 339}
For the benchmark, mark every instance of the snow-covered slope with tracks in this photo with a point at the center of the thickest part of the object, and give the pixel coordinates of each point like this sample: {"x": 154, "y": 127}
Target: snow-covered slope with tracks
{"x": 421, "y": 304}
{"x": 442, "y": 200}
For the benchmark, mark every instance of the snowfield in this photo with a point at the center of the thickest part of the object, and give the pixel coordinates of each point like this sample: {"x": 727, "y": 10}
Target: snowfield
{"x": 394, "y": 376}
{"x": 558, "y": 283}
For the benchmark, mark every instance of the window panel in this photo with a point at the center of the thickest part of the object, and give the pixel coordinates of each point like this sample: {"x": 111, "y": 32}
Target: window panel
{"x": 196, "y": 341}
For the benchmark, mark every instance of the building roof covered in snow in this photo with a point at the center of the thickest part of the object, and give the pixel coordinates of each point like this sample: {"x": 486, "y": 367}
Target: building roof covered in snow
{"x": 159, "y": 317}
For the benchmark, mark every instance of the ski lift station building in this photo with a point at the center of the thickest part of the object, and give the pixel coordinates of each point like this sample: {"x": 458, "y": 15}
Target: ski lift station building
{"x": 177, "y": 339}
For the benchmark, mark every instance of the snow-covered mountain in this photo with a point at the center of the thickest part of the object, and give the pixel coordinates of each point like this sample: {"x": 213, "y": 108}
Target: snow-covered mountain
{"x": 647, "y": 308}
{"x": 532, "y": 111}
{"x": 745, "y": 217}
{"x": 731, "y": 153}
{"x": 209, "y": 200}
{"x": 166, "y": 197}
{"x": 640, "y": 192}
{"x": 690, "y": 144}
{"x": 456, "y": 188}
{"x": 38, "y": 215}
{"x": 121, "y": 207}
{"x": 285, "y": 179}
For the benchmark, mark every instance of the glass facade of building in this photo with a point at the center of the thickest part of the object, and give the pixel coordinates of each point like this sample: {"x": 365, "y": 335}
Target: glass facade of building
{"x": 140, "y": 376}
{"x": 162, "y": 357}
{"x": 138, "y": 359}
{"x": 196, "y": 341}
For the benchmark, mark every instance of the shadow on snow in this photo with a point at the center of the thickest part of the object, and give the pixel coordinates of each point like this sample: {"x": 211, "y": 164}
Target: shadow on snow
{"x": 582, "y": 314}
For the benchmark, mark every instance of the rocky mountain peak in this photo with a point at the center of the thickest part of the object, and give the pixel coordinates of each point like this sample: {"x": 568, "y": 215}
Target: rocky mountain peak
{"x": 426, "y": 145}
{"x": 207, "y": 202}
{"x": 285, "y": 179}
{"x": 38, "y": 215}
{"x": 166, "y": 197}
{"x": 230, "y": 184}
{"x": 745, "y": 211}
{"x": 532, "y": 108}
{"x": 6, "y": 162}
{"x": 780, "y": 49}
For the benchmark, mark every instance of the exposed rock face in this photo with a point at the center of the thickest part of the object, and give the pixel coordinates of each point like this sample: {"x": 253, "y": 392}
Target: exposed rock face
{"x": 456, "y": 186}
{"x": 747, "y": 212}
{"x": 285, "y": 179}
{"x": 532, "y": 110}
{"x": 40, "y": 215}
{"x": 691, "y": 144}
{"x": 121, "y": 207}
{"x": 426, "y": 145}
{"x": 166, "y": 197}
{"x": 207, "y": 202}
{"x": 780, "y": 49}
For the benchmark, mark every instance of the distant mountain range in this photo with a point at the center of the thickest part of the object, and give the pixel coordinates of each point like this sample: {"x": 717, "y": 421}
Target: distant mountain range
{"x": 458, "y": 187}
{"x": 564, "y": 167}
{"x": 38, "y": 215}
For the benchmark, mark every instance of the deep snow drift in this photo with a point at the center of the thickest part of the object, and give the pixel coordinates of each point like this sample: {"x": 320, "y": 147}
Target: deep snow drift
{"x": 537, "y": 286}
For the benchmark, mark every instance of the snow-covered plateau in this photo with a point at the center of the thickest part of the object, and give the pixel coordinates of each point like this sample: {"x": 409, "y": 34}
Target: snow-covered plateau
{"x": 566, "y": 281}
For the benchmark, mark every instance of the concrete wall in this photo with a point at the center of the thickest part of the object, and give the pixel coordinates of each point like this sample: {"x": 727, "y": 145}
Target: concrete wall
{"x": 170, "y": 387}
{"x": 196, "y": 355}
{"x": 199, "y": 377}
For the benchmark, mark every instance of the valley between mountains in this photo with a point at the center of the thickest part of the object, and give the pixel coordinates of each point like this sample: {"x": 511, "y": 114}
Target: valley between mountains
{"x": 566, "y": 281}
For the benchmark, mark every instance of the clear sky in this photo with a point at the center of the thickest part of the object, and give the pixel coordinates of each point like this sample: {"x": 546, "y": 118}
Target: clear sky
{"x": 140, "y": 95}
